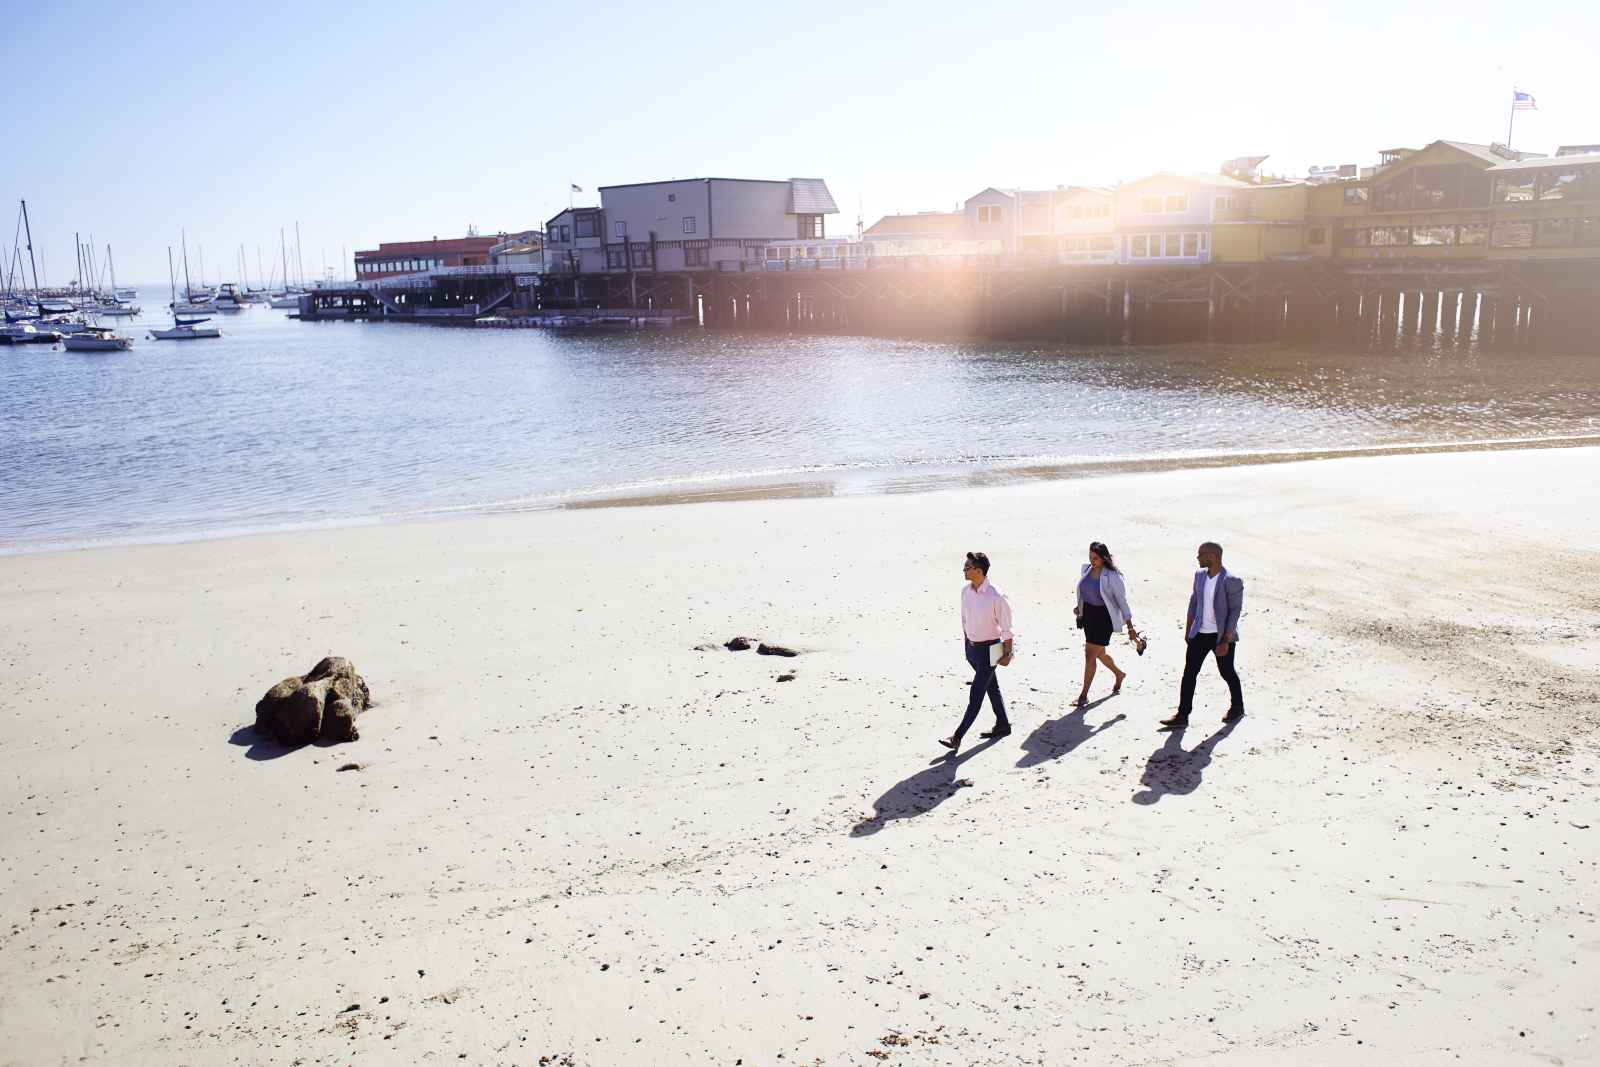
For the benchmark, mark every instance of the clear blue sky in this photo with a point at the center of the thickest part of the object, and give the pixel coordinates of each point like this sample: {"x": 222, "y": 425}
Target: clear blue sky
{"x": 385, "y": 122}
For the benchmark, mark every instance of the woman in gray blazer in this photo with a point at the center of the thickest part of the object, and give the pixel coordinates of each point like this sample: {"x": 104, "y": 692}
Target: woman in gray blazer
{"x": 1102, "y": 610}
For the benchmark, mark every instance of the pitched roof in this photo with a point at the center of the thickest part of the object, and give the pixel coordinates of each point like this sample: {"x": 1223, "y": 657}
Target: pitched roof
{"x": 810, "y": 196}
{"x": 1217, "y": 180}
{"x": 1540, "y": 162}
{"x": 922, "y": 224}
{"x": 1482, "y": 151}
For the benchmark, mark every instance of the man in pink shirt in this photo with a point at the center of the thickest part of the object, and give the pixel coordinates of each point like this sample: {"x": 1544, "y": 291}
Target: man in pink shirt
{"x": 985, "y": 623}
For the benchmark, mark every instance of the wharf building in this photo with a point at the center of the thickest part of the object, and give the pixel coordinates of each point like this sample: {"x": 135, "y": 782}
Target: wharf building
{"x": 410, "y": 257}
{"x": 1458, "y": 238}
{"x": 676, "y": 227}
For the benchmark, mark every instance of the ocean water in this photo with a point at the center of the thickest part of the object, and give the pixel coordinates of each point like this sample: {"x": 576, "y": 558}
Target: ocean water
{"x": 283, "y": 423}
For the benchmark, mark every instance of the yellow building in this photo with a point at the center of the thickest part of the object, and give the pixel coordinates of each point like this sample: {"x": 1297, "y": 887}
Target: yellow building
{"x": 1261, "y": 223}
{"x": 1546, "y": 208}
{"x": 1431, "y": 203}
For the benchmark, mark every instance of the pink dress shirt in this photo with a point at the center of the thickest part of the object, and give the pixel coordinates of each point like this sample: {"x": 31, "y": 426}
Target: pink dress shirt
{"x": 985, "y": 613}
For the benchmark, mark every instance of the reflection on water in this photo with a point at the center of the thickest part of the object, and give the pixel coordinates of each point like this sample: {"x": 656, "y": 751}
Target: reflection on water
{"x": 283, "y": 422}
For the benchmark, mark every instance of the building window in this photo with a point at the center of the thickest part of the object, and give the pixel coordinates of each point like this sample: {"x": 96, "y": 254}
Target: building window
{"x": 1224, "y": 204}
{"x": 1138, "y": 246}
{"x": 1512, "y": 235}
{"x": 696, "y": 257}
{"x": 619, "y": 230}
{"x": 586, "y": 226}
{"x": 1357, "y": 196}
{"x": 566, "y": 233}
{"x": 1178, "y": 202}
{"x": 1558, "y": 233}
{"x": 641, "y": 255}
{"x": 688, "y": 224}
{"x": 1151, "y": 205}
{"x": 987, "y": 214}
{"x": 1514, "y": 189}
{"x": 616, "y": 258}
{"x": 1317, "y": 235}
{"x": 1472, "y": 233}
{"x": 1433, "y": 235}
{"x": 1191, "y": 244}
{"x": 672, "y": 198}
{"x": 1391, "y": 235}
{"x": 809, "y": 226}
{"x": 1591, "y": 231}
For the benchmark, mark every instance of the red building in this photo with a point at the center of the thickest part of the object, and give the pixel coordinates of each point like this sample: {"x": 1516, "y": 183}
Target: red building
{"x": 409, "y": 257}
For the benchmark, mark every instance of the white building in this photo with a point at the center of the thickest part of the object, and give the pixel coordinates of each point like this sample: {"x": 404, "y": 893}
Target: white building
{"x": 697, "y": 223}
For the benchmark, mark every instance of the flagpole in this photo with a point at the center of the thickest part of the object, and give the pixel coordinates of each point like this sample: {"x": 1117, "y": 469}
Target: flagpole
{"x": 1512, "y": 121}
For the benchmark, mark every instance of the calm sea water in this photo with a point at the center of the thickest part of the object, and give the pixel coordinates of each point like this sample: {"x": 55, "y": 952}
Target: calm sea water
{"x": 283, "y": 423}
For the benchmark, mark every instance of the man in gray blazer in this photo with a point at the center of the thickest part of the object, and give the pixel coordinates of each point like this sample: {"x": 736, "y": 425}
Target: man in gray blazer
{"x": 1213, "y": 627}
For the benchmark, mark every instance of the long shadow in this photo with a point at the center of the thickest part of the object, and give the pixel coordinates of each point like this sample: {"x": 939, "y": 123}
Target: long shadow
{"x": 1054, "y": 739}
{"x": 920, "y": 793}
{"x": 260, "y": 748}
{"x": 1170, "y": 771}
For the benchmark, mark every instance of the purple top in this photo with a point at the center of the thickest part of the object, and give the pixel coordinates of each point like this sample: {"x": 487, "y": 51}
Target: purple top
{"x": 1089, "y": 590}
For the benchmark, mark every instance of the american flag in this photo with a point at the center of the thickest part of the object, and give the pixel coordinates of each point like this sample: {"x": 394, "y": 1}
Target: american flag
{"x": 1521, "y": 101}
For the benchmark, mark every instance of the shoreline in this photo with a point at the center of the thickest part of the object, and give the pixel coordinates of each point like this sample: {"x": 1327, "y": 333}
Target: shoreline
{"x": 578, "y": 827}
{"x": 744, "y": 488}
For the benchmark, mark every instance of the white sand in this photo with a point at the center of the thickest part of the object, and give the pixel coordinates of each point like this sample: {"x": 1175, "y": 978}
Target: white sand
{"x": 578, "y": 836}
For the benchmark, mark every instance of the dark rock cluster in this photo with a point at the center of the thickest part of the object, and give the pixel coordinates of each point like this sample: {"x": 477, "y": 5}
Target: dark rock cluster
{"x": 322, "y": 704}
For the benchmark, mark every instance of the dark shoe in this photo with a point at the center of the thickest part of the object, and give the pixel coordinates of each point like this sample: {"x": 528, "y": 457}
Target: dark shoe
{"x": 949, "y": 742}
{"x": 997, "y": 733}
{"x": 1233, "y": 715}
{"x": 1177, "y": 722}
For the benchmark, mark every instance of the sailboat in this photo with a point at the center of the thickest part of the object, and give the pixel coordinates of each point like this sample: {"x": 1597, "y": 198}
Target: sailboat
{"x": 287, "y": 298}
{"x": 183, "y": 329}
{"x": 96, "y": 339}
{"x": 115, "y": 305}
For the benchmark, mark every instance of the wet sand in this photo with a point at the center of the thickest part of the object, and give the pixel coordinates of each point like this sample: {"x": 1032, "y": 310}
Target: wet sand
{"x": 580, "y": 835}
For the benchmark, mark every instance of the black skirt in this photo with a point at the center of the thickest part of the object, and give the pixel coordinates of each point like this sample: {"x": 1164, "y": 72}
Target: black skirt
{"x": 1096, "y": 625}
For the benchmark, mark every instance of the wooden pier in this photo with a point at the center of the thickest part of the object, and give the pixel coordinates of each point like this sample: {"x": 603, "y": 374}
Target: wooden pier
{"x": 1509, "y": 303}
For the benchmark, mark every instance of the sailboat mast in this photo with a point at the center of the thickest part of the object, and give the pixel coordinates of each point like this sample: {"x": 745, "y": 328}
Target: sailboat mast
{"x": 299, "y": 260}
{"x": 113, "y": 265}
{"x": 77, "y": 241}
{"x": 283, "y": 250}
{"x": 259, "y": 271}
{"x": 188, "y": 293}
{"x": 29, "y": 231}
{"x": 172, "y": 281}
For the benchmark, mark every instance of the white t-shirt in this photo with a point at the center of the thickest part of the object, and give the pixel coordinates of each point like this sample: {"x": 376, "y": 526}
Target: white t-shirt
{"x": 1208, "y": 605}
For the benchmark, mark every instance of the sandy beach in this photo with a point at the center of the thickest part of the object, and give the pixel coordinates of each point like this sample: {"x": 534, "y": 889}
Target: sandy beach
{"x": 584, "y": 833}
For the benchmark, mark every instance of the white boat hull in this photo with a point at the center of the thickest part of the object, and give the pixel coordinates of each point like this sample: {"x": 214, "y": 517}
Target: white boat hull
{"x": 84, "y": 343}
{"x": 185, "y": 333}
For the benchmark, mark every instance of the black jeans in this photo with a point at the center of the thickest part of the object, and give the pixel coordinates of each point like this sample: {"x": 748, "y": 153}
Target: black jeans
{"x": 1201, "y": 646}
{"x": 984, "y": 681}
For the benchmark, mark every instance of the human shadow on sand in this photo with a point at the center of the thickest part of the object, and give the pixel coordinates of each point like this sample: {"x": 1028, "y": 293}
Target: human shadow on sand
{"x": 920, "y": 793}
{"x": 1171, "y": 771}
{"x": 1054, "y": 739}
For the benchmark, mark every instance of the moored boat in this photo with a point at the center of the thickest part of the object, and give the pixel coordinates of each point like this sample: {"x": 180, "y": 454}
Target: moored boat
{"x": 96, "y": 339}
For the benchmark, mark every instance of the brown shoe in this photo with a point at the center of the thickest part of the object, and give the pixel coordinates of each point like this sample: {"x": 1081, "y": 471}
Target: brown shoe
{"x": 1177, "y": 722}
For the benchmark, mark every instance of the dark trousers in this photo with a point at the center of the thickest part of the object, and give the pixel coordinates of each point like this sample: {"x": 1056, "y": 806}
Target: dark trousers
{"x": 984, "y": 681}
{"x": 1201, "y": 646}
